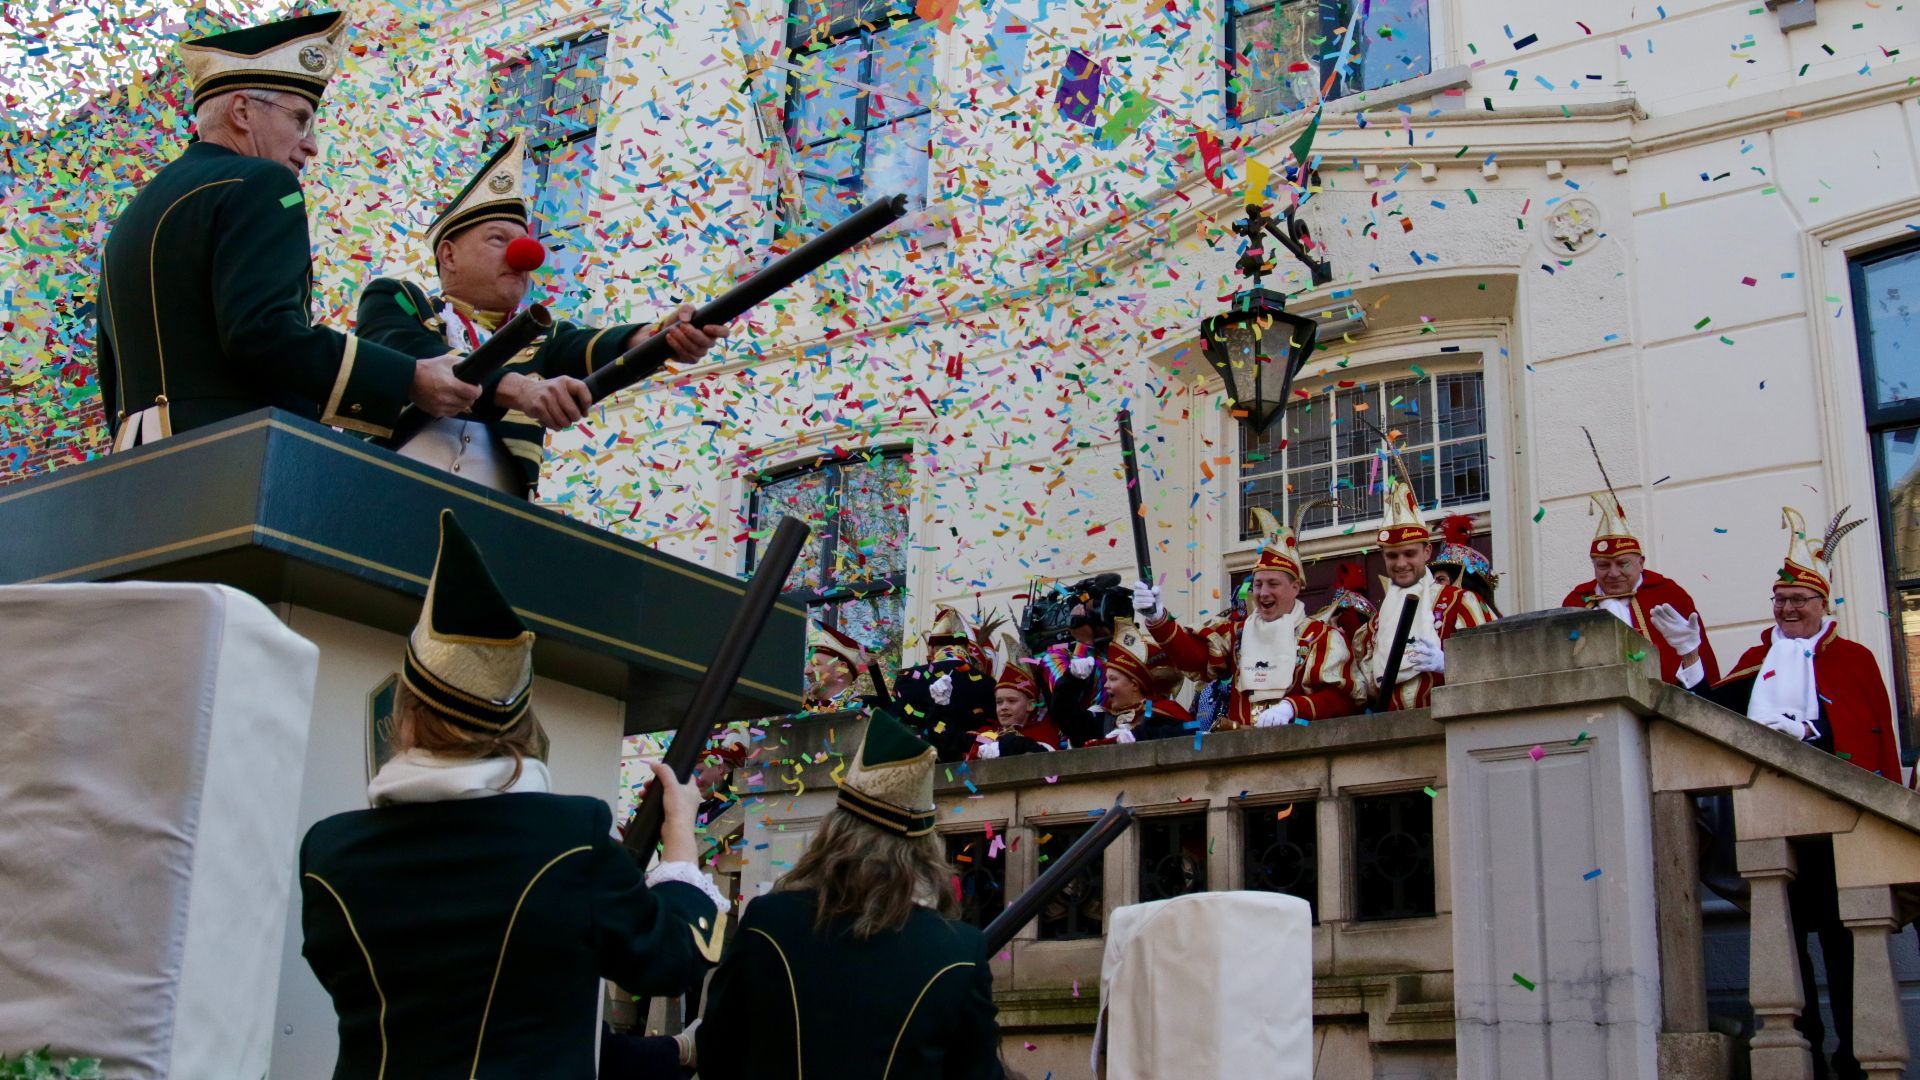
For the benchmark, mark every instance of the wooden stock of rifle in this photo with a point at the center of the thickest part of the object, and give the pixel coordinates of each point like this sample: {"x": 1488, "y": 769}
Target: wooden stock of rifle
{"x": 645, "y": 358}
{"x": 1022, "y": 909}
{"x": 642, "y": 833}
{"x": 477, "y": 365}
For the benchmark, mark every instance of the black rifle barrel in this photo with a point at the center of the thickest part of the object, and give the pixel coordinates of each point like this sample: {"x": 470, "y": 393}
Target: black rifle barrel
{"x": 642, "y": 834}
{"x": 645, "y": 358}
{"x": 482, "y": 362}
{"x": 1409, "y": 607}
{"x": 1024, "y": 907}
{"x": 1130, "y": 460}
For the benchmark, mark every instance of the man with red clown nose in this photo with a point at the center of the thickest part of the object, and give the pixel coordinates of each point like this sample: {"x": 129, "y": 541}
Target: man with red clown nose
{"x": 485, "y": 257}
{"x": 1284, "y": 664}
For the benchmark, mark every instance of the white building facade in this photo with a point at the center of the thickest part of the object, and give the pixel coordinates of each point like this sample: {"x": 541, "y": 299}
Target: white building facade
{"x": 1691, "y": 228}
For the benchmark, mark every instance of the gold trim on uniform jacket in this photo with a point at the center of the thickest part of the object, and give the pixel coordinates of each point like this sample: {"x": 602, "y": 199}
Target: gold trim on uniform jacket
{"x": 153, "y": 289}
{"x": 902, "y": 1033}
{"x": 799, "y": 1062}
{"x": 375, "y": 979}
{"x": 504, "y": 939}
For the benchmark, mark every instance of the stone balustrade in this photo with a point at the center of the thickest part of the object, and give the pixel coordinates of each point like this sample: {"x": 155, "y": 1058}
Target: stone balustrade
{"x": 1505, "y": 886}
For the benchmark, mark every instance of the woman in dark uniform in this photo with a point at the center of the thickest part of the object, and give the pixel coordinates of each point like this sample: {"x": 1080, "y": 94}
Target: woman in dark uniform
{"x": 851, "y": 969}
{"x": 463, "y": 925}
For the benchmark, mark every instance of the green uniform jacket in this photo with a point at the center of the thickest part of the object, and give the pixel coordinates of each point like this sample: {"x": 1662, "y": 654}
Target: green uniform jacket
{"x": 205, "y": 295}
{"x": 400, "y": 315}
{"x": 788, "y": 1002}
{"x": 466, "y": 939}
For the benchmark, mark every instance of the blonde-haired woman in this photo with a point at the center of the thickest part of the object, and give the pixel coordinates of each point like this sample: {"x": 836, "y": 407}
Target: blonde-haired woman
{"x": 852, "y": 967}
{"x": 462, "y": 925}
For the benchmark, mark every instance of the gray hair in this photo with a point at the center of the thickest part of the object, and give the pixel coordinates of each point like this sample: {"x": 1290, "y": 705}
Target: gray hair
{"x": 212, "y": 113}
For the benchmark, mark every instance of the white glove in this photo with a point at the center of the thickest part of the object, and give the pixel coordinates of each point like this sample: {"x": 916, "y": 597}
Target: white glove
{"x": 1080, "y": 667}
{"x": 989, "y": 749}
{"x": 942, "y": 690}
{"x": 1124, "y": 735}
{"x": 1424, "y": 657}
{"x": 1682, "y": 633}
{"x": 1146, "y": 603}
{"x": 1275, "y": 715}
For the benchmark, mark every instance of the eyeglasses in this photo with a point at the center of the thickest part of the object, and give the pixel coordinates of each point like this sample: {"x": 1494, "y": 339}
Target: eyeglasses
{"x": 1794, "y": 601}
{"x": 305, "y": 120}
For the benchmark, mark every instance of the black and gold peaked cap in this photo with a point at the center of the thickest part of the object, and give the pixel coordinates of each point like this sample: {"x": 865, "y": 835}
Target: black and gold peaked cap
{"x": 890, "y": 783}
{"x": 496, "y": 193}
{"x": 297, "y": 56}
{"x": 469, "y": 658}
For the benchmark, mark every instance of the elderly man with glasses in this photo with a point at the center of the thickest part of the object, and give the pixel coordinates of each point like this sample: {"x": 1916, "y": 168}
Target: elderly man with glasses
{"x": 204, "y": 307}
{"x": 1806, "y": 681}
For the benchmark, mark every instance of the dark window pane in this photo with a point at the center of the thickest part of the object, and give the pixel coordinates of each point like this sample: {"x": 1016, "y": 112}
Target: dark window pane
{"x": 901, "y": 73}
{"x": 1352, "y": 437}
{"x": 1281, "y": 851}
{"x": 804, "y": 496}
{"x": 980, "y": 865}
{"x": 1393, "y": 855}
{"x": 1394, "y": 45}
{"x": 1461, "y": 410}
{"x": 1888, "y": 306}
{"x": 1173, "y": 856}
{"x": 823, "y": 95}
{"x": 1263, "y": 452}
{"x": 897, "y": 159}
{"x": 1309, "y": 434}
{"x": 1463, "y": 473}
{"x": 1908, "y": 637}
{"x": 1900, "y": 501}
{"x": 574, "y": 71}
{"x": 1267, "y": 43}
{"x": 566, "y": 193}
{"x": 1079, "y": 910}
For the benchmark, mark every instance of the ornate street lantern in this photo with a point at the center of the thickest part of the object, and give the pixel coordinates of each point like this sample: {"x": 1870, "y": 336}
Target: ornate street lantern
{"x": 1258, "y": 346}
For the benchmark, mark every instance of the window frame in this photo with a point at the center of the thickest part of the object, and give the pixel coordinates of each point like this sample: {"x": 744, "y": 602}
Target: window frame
{"x": 1433, "y": 364}
{"x": 544, "y": 151}
{"x": 802, "y": 43}
{"x": 1879, "y": 420}
{"x": 829, "y": 598}
{"x": 1322, "y": 63}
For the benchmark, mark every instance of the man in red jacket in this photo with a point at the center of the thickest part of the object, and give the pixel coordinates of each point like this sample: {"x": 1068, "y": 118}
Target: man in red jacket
{"x": 1656, "y": 606}
{"x": 1284, "y": 664}
{"x": 1806, "y": 681}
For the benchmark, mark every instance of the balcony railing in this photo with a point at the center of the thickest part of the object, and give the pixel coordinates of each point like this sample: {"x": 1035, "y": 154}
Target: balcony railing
{"x": 1507, "y": 880}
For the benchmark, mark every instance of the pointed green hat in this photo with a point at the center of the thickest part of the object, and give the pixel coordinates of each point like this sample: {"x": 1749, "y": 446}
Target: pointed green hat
{"x": 469, "y": 657}
{"x": 890, "y": 783}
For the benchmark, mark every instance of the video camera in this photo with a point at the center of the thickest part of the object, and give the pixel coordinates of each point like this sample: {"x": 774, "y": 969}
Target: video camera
{"x": 1049, "y": 618}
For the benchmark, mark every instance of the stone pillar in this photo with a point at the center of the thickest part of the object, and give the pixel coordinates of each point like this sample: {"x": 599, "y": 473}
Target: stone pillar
{"x": 1879, "y": 1036}
{"x": 1555, "y": 939}
{"x": 1779, "y": 1051}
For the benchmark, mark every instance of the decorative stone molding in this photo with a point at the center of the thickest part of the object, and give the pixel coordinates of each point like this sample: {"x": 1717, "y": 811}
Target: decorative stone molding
{"x": 1573, "y": 227}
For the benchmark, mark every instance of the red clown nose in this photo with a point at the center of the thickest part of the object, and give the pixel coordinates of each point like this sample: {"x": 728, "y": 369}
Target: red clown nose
{"x": 525, "y": 254}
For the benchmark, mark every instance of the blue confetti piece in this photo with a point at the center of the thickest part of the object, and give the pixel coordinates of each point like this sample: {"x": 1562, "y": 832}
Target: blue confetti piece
{"x": 1590, "y": 875}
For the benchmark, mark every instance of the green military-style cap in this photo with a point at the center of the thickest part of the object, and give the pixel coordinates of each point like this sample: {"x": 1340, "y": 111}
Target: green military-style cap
{"x": 890, "y": 783}
{"x": 296, "y": 56}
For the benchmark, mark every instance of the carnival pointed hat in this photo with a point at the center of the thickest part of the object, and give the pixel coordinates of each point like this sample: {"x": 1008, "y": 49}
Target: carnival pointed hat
{"x": 296, "y": 56}
{"x": 469, "y": 658}
{"x": 1614, "y": 536}
{"x": 496, "y": 193}
{"x": 1403, "y": 524}
{"x": 948, "y": 626}
{"x": 1280, "y": 544}
{"x": 1807, "y": 565}
{"x": 1014, "y": 674}
{"x": 890, "y": 782}
{"x": 822, "y": 638}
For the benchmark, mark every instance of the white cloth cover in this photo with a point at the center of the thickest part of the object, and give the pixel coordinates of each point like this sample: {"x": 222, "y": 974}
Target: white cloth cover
{"x": 1212, "y": 986}
{"x": 152, "y": 742}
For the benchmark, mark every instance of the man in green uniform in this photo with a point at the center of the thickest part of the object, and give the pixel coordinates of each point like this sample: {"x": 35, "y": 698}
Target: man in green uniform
{"x": 483, "y": 252}
{"x": 206, "y": 278}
